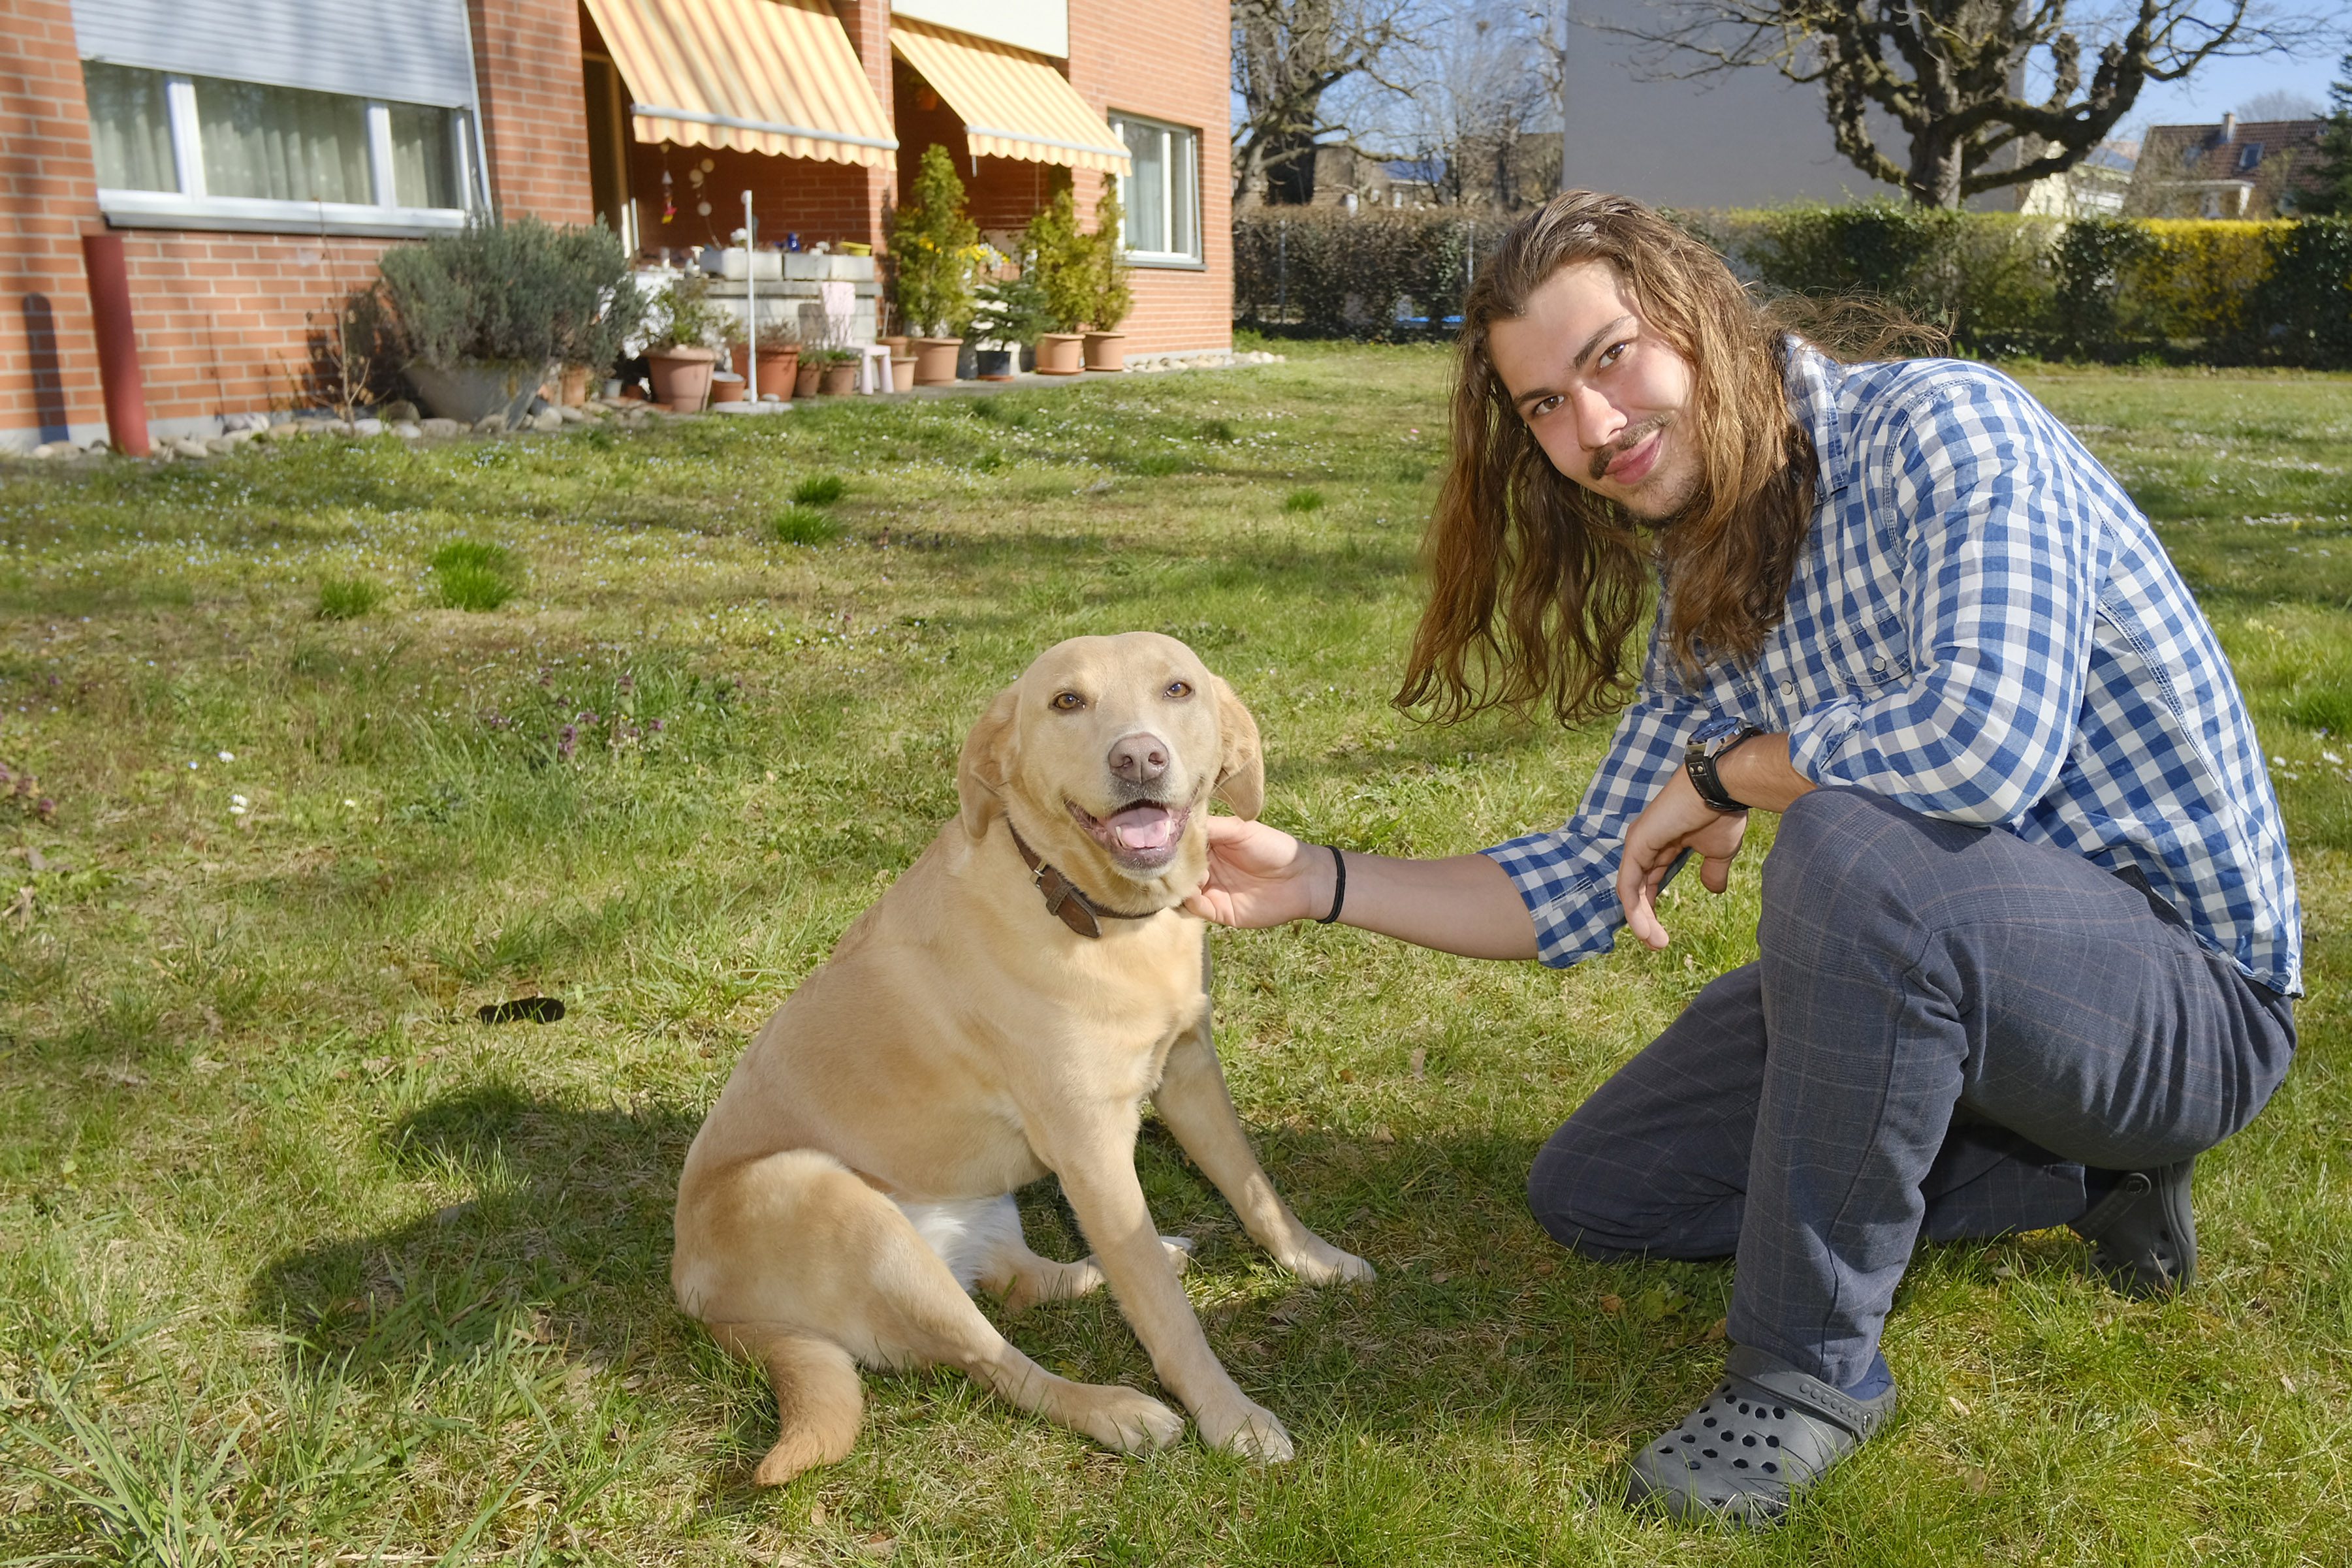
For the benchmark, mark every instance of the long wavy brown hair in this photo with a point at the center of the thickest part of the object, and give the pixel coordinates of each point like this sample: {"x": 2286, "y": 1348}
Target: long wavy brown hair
{"x": 1537, "y": 584}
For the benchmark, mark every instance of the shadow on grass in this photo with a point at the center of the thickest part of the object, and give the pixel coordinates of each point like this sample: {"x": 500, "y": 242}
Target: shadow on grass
{"x": 567, "y": 1244}
{"x": 566, "y": 1240}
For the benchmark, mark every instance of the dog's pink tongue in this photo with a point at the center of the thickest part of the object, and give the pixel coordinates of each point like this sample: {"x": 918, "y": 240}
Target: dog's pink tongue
{"x": 1143, "y": 827}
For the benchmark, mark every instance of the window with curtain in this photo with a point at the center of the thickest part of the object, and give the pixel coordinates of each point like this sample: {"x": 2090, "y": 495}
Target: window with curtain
{"x": 282, "y": 144}
{"x": 251, "y": 143}
{"x": 129, "y": 128}
{"x": 1161, "y": 191}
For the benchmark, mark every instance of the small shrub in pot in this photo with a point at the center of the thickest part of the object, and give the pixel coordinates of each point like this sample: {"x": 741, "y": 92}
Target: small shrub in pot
{"x": 934, "y": 245}
{"x": 679, "y": 355}
{"x": 483, "y": 315}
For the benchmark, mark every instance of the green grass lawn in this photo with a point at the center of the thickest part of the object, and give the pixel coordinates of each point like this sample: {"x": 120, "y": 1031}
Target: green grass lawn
{"x": 301, "y": 1263}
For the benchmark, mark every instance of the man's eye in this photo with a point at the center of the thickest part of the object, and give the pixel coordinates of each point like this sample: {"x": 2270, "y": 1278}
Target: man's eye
{"x": 1069, "y": 702}
{"x": 1178, "y": 690}
{"x": 1609, "y": 355}
{"x": 1545, "y": 407}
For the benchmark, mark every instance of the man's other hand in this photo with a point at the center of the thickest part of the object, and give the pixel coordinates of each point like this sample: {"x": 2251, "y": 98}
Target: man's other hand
{"x": 1674, "y": 821}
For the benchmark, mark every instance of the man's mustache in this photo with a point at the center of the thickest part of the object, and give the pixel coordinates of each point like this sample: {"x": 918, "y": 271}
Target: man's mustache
{"x": 1627, "y": 442}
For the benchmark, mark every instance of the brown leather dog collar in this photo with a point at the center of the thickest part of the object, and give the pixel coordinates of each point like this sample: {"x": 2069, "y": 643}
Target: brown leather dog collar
{"x": 1063, "y": 899}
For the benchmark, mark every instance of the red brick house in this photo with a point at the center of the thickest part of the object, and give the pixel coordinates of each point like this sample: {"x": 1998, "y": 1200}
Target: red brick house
{"x": 255, "y": 156}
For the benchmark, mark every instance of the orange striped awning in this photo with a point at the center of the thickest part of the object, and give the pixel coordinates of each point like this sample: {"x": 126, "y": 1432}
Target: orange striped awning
{"x": 1014, "y": 104}
{"x": 761, "y": 75}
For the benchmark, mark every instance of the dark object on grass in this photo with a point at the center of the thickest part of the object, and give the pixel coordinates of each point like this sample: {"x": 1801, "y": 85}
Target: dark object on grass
{"x": 522, "y": 1010}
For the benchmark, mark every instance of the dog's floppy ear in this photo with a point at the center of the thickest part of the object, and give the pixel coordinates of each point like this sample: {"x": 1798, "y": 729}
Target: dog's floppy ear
{"x": 1240, "y": 772}
{"x": 985, "y": 763}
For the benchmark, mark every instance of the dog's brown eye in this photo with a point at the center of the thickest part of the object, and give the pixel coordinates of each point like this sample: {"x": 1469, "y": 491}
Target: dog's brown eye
{"x": 1069, "y": 702}
{"x": 1178, "y": 689}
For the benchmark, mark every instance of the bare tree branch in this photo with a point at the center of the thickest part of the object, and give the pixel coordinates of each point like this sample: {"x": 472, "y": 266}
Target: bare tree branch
{"x": 1288, "y": 55}
{"x": 1952, "y": 73}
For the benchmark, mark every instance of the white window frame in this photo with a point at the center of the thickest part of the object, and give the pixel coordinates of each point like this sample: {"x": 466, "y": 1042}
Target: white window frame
{"x": 193, "y": 208}
{"x": 1188, "y": 137}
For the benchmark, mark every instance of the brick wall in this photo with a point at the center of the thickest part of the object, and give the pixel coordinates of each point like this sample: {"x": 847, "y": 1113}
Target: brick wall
{"x": 534, "y": 109}
{"x": 224, "y": 320}
{"x": 49, "y": 372}
{"x": 1169, "y": 61}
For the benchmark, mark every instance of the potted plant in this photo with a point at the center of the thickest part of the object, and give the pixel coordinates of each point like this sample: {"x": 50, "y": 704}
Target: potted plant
{"x": 836, "y": 372}
{"x": 1109, "y": 297}
{"x": 1011, "y": 311}
{"x": 679, "y": 354}
{"x": 1058, "y": 258}
{"x": 808, "y": 373}
{"x": 933, "y": 246}
{"x": 780, "y": 354}
{"x": 484, "y": 315}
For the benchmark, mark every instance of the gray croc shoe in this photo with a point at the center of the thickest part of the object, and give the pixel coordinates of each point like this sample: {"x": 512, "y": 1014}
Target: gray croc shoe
{"x": 2143, "y": 1237}
{"x": 1765, "y": 1434}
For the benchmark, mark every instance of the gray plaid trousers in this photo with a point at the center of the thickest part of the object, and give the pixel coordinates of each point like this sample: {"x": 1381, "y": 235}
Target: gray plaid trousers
{"x": 1945, "y": 1026}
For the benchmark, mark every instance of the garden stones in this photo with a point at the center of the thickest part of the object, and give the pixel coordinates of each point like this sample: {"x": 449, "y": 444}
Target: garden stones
{"x": 440, "y": 427}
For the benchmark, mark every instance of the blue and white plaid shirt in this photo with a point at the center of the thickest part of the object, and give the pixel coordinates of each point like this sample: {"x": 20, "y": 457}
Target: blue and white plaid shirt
{"x": 1983, "y": 628}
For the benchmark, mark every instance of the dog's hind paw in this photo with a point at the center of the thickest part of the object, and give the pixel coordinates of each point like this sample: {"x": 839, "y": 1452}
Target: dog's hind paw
{"x": 1250, "y": 1430}
{"x": 1124, "y": 1419}
{"x": 1324, "y": 1264}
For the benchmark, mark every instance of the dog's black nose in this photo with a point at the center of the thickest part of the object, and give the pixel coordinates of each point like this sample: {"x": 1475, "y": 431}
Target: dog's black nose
{"x": 1139, "y": 759}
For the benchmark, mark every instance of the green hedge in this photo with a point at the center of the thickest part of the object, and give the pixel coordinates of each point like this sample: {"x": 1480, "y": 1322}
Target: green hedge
{"x": 2002, "y": 283}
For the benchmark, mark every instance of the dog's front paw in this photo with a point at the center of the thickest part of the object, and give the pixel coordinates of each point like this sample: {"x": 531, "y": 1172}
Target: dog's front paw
{"x": 1320, "y": 1263}
{"x": 1253, "y": 1431}
{"x": 1124, "y": 1419}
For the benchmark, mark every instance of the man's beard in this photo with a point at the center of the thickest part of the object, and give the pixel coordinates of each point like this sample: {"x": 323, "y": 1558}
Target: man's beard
{"x": 1676, "y": 505}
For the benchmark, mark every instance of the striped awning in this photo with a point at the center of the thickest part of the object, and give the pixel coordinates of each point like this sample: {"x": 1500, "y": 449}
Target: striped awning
{"x": 761, "y": 75}
{"x": 1014, "y": 104}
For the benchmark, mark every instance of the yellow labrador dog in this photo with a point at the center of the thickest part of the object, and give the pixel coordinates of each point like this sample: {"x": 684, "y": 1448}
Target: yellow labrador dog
{"x": 1003, "y": 1012}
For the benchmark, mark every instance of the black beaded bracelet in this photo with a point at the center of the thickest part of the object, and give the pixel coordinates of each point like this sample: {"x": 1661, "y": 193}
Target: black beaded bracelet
{"x": 1339, "y": 889}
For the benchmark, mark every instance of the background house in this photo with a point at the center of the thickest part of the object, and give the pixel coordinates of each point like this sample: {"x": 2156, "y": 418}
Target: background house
{"x": 259, "y": 155}
{"x": 2238, "y": 168}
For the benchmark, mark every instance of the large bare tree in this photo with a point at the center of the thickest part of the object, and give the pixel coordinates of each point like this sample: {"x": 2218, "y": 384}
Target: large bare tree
{"x": 1288, "y": 55}
{"x": 1953, "y": 75}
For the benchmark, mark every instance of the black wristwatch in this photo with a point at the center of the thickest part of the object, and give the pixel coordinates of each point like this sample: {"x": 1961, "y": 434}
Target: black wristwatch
{"x": 1699, "y": 761}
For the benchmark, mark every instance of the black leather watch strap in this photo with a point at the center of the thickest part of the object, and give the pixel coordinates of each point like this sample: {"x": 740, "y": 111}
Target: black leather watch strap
{"x": 1699, "y": 762}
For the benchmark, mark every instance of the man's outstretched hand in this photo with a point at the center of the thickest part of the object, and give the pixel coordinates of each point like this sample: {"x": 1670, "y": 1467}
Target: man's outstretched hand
{"x": 1260, "y": 876}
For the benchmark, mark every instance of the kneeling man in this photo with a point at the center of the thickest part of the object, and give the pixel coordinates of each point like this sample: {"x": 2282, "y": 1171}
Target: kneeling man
{"x": 2028, "y": 930}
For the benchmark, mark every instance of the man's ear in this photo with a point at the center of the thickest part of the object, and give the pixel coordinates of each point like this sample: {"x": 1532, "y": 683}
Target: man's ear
{"x": 1240, "y": 772}
{"x": 985, "y": 763}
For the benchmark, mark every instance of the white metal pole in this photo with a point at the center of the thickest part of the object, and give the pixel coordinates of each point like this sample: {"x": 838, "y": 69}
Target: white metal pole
{"x": 750, "y": 304}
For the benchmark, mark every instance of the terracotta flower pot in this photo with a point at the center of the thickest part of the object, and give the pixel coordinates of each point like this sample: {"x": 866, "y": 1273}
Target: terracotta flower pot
{"x": 1106, "y": 350}
{"x": 804, "y": 380}
{"x": 1061, "y": 354}
{"x": 576, "y": 385}
{"x": 727, "y": 389}
{"x": 777, "y": 368}
{"x": 681, "y": 376}
{"x": 839, "y": 380}
{"x": 902, "y": 372}
{"x": 935, "y": 361}
{"x": 897, "y": 342}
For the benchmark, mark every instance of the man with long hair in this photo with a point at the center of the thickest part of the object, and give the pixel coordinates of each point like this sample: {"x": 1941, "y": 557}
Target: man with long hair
{"x": 2029, "y": 933}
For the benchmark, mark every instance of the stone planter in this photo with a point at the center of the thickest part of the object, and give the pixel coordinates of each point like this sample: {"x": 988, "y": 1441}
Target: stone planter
{"x": 993, "y": 364}
{"x": 935, "y": 361}
{"x": 681, "y": 377}
{"x": 838, "y": 380}
{"x": 469, "y": 393}
{"x": 1106, "y": 350}
{"x": 777, "y": 368}
{"x": 1061, "y": 354}
{"x": 804, "y": 380}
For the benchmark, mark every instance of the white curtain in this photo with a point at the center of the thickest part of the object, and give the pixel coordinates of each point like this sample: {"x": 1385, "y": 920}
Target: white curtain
{"x": 129, "y": 128}
{"x": 284, "y": 144}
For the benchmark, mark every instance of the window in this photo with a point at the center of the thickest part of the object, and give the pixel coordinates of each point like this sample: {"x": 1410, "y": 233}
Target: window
{"x": 2250, "y": 156}
{"x": 206, "y": 152}
{"x": 1161, "y": 195}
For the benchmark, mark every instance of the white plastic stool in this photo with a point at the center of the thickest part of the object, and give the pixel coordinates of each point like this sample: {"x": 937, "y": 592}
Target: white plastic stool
{"x": 873, "y": 368}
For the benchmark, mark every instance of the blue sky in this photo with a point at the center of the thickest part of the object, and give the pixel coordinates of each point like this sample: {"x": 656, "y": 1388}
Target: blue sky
{"x": 2221, "y": 85}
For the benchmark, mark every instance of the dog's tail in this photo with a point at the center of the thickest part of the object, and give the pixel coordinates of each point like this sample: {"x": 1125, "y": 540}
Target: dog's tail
{"x": 818, "y": 1401}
